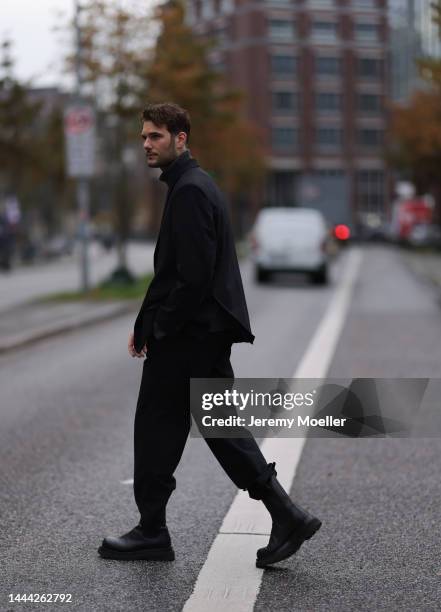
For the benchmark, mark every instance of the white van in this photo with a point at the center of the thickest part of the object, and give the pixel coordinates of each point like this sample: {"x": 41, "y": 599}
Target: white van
{"x": 290, "y": 240}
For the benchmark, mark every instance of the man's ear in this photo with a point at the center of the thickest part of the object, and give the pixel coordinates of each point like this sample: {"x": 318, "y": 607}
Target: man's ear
{"x": 182, "y": 140}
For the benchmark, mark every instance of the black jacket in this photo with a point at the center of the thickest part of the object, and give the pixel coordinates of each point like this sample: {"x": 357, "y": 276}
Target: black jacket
{"x": 197, "y": 285}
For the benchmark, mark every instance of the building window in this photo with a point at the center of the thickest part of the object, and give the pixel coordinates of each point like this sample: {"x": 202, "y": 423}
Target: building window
{"x": 369, "y": 103}
{"x": 328, "y": 66}
{"x": 329, "y": 137}
{"x": 283, "y": 66}
{"x": 281, "y": 189}
{"x": 370, "y": 137}
{"x": 285, "y": 101}
{"x": 328, "y": 172}
{"x": 366, "y": 32}
{"x": 321, "y": 4}
{"x": 370, "y": 68}
{"x": 328, "y": 102}
{"x": 285, "y": 137}
{"x": 225, "y": 6}
{"x": 371, "y": 190}
{"x": 324, "y": 31}
{"x": 365, "y": 4}
{"x": 281, "y": 29}
{"x": 208, "y": 9}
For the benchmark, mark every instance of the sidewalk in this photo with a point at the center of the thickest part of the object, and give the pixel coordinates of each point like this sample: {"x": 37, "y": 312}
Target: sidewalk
{"x": 24, "y": 318}
{"x": 35, "y": 281}
{"x": 28, "y": 323}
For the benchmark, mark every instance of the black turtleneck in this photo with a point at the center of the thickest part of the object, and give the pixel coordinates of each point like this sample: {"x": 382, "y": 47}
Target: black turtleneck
{"x": 173, "y": 171}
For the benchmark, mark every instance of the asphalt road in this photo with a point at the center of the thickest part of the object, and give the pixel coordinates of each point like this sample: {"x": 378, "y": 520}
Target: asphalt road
{"x": 67, "y": 406}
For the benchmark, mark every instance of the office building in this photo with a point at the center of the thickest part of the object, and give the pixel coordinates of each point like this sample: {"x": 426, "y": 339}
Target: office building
{"x": 316, "y": 77}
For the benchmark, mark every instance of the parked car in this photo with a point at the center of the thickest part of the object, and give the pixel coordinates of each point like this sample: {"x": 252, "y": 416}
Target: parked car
{"x": 290, "y": 240}
{"x": 425, "y": 235}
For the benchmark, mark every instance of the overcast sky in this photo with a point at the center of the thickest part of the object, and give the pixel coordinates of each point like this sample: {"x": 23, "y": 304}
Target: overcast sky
{"x": 36, "y": 48}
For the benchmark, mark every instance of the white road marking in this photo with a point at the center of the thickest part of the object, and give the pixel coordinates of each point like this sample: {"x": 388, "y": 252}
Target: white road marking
{"x": 129, "y": 481}
{"x": 229, "y": 579}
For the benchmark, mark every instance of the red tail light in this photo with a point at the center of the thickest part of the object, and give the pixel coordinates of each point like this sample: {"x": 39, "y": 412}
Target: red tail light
{"x": 342, "y": 232}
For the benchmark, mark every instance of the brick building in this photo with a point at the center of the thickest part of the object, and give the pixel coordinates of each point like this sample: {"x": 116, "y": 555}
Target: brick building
{"x": 316, "y": 77}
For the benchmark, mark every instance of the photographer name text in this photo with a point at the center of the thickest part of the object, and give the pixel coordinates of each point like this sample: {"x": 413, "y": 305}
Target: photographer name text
{"x": 299, "y": 421}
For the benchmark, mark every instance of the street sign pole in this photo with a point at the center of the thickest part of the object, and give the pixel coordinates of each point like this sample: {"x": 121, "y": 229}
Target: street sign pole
{"x": 82, "y": 187}
{"x": 83, "y": 200}
{"x": 79, "y": 130}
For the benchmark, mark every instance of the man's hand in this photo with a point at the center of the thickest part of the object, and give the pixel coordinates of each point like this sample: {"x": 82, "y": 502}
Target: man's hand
{"x": 131, "y": 347}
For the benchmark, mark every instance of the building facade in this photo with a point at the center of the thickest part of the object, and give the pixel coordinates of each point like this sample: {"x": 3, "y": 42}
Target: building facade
{"x": 316, "y": 77}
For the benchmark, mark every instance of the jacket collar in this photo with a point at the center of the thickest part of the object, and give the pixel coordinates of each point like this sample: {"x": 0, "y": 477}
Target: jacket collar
{"x": 181, "y": 164}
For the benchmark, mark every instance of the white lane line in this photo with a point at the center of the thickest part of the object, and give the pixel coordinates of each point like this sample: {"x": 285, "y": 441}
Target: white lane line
{"x": 229, "y": 579}
{"x": 317, "y": 358}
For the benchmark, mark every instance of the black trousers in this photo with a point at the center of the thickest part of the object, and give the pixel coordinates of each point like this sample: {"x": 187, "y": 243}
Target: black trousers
{"x": 163, "y": 420}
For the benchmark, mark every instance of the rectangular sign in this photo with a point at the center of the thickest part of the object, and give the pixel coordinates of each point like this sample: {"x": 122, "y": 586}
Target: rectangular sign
{"x": 80, "y": 140}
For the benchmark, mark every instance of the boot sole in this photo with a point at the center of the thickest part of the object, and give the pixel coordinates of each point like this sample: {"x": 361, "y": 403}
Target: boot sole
{"x": 152, "y": 554}
{"x": 291, "y": 544}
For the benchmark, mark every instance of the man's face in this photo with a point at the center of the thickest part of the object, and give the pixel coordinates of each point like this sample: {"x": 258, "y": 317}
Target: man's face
{"x": 161, "y": 147}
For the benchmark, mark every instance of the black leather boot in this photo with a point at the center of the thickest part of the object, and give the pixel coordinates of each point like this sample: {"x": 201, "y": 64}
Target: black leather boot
{"x": 291, "y": 524}
{"x": 139, "y": 543}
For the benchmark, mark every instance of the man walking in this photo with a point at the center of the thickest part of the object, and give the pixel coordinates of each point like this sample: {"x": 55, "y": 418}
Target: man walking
{"x": 194, "y": 310}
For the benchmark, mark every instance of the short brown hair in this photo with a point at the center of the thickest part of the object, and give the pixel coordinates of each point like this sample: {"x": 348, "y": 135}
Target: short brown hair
{"x": 175, "y": 118}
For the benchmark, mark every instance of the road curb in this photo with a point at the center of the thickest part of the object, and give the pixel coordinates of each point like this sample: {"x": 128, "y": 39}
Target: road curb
{"x": 51, "y": 330}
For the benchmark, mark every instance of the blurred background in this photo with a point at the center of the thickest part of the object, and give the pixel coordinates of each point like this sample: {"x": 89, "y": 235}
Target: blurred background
{"x": 294, "y": 104}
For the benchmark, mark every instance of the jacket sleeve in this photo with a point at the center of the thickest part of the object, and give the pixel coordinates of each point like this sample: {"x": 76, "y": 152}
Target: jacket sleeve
{"x": 194, "y": 240}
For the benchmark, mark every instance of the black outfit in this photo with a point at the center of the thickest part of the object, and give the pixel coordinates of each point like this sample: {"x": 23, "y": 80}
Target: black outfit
{"x": 197, "y": 284}
{"x": 193, "y": 311}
